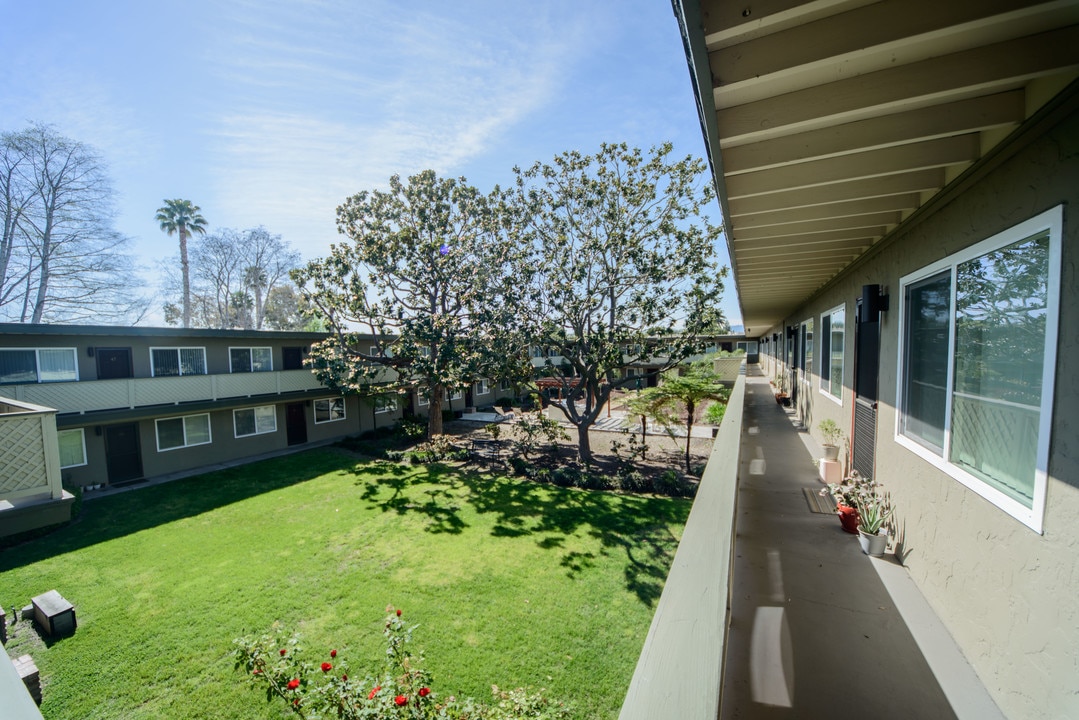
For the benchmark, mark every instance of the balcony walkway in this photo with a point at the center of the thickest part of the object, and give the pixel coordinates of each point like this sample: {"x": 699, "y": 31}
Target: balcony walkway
{"x": 814, "y": 631}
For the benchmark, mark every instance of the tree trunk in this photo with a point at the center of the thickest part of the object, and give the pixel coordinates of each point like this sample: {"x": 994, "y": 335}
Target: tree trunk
{"x": 434, "y": 413}
{"x": 689, "y": 433}
{"x": 43, "y": 272}
{"x": 185, "y": 271}
{"x": 584, "y": 447}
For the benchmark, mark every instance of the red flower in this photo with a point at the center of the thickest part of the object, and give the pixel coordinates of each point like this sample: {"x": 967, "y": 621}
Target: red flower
{"x": 401, "y": 700}
{"x": 282, "y": 651}
{"x": 398, "y": 612}
{"x": 293, "y": 684}
{"x": 344, "y": 678}
{"x": 256, "y": 671}
{"x": 371, "y": 695}
{"x": 326, "y": 667}
{"x": 424, "y": 692}
{"x": 333, "y": 653}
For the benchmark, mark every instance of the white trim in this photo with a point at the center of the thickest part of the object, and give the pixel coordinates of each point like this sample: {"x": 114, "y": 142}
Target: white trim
{"x": 251, "y": 356}
{"x": 1052, "y": 221}
{"x": 82, "y": 442}
{"x": 183, "y": 424}
{"x": 482, "y": 383}
{"x": 330, "y": 418}
{"x": 179, "y": 364}
{"x": 236, "y": 433}
{"x": 827, "y": 358}
{"x": 422, "y": 400}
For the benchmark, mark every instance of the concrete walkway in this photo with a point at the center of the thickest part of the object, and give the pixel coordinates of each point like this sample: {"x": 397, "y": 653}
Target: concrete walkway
{"x": 814, "y": 632}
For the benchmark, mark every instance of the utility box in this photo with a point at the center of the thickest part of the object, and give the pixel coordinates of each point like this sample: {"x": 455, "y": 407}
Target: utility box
{"x": 54, "y": 614}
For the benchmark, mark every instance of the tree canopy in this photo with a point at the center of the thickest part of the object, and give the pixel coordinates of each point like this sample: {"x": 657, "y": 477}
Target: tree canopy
{"x": 426, "y": 274}
{"x": 617, "y": 248}
{"x": 183, "y": 218}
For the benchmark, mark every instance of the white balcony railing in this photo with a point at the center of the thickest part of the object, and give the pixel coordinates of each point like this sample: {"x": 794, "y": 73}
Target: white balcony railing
{"x": 93, "y": 395}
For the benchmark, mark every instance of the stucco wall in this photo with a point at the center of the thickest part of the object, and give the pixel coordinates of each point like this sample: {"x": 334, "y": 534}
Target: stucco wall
{"x": 1008, "y": 595}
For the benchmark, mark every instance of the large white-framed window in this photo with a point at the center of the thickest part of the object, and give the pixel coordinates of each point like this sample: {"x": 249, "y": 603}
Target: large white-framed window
{"x": 978, "y": 339}
{"x": 421, "y": 399}
{"x": 250, "y": 359}
{"x": 254, "y": 421}
{"x": 180, "y": 432}
{"x": 37, "y": 365}
{"x": 504, "y": 385}
{"x": 807, "y": 349}
{"x": 385, "y": 404}
{"x": 329, "y": 410}
{"x": 72, "y": 448}
{"x": 457, "y": 395}
{"x": 172, "y": 361}
{"x": 833, "y": 331}
{"x": 482, "y": 387}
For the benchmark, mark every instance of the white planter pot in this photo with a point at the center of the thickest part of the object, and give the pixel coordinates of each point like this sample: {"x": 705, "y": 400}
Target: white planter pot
{"x": 831, "y": 452}
{"x": 874, "y": 545}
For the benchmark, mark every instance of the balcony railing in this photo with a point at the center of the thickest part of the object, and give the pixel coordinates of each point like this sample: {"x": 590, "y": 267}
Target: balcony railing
{"x": 93, "y": 395}
{"x": 680, "y": 670}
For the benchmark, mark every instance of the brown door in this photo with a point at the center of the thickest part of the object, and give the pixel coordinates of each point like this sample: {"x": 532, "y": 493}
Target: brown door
{"x": 113, "y": 363}
{"x": 296, "y": 423}
{"x": 123, "y": 457}
{"x": 292, "y": 358}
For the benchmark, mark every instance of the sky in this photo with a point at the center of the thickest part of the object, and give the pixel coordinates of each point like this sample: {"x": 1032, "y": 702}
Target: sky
{"x": 272, "y": 112}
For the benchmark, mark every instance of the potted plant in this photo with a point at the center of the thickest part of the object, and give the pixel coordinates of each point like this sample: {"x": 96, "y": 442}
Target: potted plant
{"x": 846, "y": 495}
{"x": 782, "y": 397}
{"x": 873, "y": 512}
{"x": 832, "y": 436}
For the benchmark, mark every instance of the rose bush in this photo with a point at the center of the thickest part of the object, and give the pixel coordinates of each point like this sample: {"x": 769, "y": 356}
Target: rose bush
{"x": 402, "y": 690}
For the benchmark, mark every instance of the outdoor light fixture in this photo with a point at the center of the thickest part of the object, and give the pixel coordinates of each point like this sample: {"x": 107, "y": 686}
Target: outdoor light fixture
{"x": 873, "y": 303}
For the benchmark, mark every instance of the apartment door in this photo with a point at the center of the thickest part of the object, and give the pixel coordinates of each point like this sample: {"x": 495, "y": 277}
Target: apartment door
{"x": 866, "y": 368}
{"x": 123, "y": 454}
{"x": 113, "y": 363}
{"x": 292, "y": 358}
{"x": 296, "y": 423}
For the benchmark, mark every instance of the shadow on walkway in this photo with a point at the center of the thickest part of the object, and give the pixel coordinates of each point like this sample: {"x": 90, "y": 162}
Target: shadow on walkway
{"x": 813, "y": 633}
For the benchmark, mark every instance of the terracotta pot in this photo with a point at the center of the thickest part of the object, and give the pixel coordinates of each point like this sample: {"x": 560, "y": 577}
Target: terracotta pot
{"x": 848, "y": 518}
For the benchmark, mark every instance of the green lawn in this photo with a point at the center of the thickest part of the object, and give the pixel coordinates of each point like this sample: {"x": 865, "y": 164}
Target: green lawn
{"x": 513, "y": 583}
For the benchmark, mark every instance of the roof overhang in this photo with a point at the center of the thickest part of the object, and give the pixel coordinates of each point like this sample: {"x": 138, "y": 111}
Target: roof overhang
{"x": 829, "y": 123}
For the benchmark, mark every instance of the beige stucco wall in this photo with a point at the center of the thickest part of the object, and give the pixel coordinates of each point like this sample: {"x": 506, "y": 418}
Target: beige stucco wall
{"x": 1008, "y": 595}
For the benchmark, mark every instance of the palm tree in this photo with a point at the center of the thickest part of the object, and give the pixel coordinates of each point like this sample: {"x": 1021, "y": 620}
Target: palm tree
{"x": 181, "y": 217}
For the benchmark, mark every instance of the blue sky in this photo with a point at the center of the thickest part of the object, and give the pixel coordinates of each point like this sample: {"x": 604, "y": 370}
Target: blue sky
{"x": 271, "y": 112}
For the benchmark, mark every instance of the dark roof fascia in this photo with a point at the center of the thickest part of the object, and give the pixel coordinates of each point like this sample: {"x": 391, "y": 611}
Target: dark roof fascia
{"x": 145, "y": 412}
{"x": 121, "y": 331}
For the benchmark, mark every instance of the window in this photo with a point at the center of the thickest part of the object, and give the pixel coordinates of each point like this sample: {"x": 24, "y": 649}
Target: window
{"x": 72, "y": 448}
{"x": 42, "y": 365}
{"x": 456, "y": 395}
{"x": 167, "y": 362}
{"x": 329, "y": 410}
{"x": 482, "y": 387}
{"x": 748, "y": 346}
{"x": 807, "y": 348}
{"x": 254, "y": 421}
{"x": 832, "y": 331}
{"x": 180, "y": 432}
{"x": 384, "y": 404}
{"x": 254, "y": 359}
{"x": 978, "y": 350}
{"x": 421, "y": 399}
{"x": 504, "y": 385}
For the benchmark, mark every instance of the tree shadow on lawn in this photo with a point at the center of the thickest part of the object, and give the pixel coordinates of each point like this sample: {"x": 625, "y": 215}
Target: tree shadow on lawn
{"x": 631, "y": 524}
{"x": 108, "y": 518}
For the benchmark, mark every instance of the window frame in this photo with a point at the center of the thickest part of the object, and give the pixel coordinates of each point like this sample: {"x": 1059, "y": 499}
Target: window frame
{"x": 82, "y": 441}
{"x": 235, "y": 431}
{"x": 422, "y": 399}
{"x": 329, "y": 414}
{"x": 1051, "y": 221}
{"x": 251, "y": 357}
{"x": 482, "y": 383}
{"x": 179, "y": 364}
{"x": 183, "y": 424}
{"x": 37, "y": 363}
{"x": 385, "y": 405}
{"x": 824, "y": 384}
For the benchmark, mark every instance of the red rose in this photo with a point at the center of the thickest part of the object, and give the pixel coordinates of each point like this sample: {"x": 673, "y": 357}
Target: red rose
{"x": 424, "y": 692}
{"x": 398, "y": 612}
{"x": 293, "y": 684}
{"x": 401, "y": 700}
{"x": 326, "y": 667}
{"x": 282, "y": 651}
{"x": 333, "y": 653}
{"x": 371, "y": 695}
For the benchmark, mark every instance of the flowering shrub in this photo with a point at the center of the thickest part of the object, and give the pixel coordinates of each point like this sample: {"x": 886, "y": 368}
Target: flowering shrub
{"x": 320, "y": 688}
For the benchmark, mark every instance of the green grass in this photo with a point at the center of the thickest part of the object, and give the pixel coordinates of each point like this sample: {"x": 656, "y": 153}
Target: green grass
{"x": 512, "y": 583}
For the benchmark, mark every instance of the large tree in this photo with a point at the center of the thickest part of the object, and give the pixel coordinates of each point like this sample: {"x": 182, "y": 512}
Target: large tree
{"x": 61, "y": 260}
{"x": 622, "y": 269}
{"x": 426, "y": 274}
{"x": 183, "y": 218}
